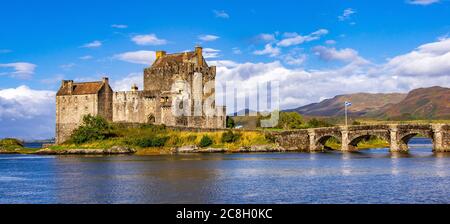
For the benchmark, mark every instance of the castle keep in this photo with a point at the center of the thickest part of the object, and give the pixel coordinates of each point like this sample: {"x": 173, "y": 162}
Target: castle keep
{"x": 179, "y": 91}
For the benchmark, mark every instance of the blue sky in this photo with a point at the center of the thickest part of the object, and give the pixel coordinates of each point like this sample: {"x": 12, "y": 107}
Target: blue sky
{"x": 399, "y": 44}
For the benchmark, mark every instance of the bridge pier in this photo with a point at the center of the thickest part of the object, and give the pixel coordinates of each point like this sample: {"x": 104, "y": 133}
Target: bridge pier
{"x": 396, "y": 144}
{"x": 345, "y": 140}
{"x": 440, "y": 142}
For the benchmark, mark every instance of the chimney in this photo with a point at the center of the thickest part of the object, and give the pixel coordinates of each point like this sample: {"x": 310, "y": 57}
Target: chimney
{"x": 69, "y": 85}
{"x": 199, "y": 52}
{"x": 105, "y": 80}
{"x": 160, "y": 54}
{"x": 134, "y": 88}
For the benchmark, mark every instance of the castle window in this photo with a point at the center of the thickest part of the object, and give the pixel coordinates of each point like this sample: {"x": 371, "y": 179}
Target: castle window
{"x": 87, "y": 98}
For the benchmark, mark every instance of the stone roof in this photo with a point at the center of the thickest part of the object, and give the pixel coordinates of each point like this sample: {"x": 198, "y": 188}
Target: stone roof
{"x": 171, "y": 59}
{"x": 82, "y": 88}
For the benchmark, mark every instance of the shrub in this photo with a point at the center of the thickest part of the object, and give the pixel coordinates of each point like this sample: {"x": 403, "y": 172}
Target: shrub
{"x": 290, "y": 120}
{"x": 93, "y": 128}
{"x": 230, "y": 137}
{"x": 206, "y": 141}
{"x": 230, "y": 122}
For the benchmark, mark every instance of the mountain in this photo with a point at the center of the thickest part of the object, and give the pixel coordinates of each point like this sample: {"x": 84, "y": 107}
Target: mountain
{"x": 423, "y": 103}
{"x": 363, "y": 103}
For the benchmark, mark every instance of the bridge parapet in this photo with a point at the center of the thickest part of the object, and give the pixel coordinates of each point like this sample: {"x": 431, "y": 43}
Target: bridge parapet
{"x": 398, "y": 135}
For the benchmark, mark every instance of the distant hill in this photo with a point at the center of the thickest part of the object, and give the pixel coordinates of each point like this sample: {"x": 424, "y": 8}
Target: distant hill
{"x": 363, "y": 103}
{"x": 423, "y": 103}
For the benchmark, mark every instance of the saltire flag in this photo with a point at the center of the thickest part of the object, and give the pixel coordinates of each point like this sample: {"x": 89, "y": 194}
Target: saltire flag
{"x": 347, "y": 104}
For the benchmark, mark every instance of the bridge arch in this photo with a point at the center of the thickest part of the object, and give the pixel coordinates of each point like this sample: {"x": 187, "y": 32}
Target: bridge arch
{"x": 355, "y": 140}
{"x": 406, "y": 137}
{"x": 322, "y": 140}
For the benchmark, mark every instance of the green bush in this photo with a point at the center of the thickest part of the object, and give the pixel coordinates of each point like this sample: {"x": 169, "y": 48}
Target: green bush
{"x": 230, "y": 122}
{"x": 290, "y": 120}
{"x": 230, "y": 137}
{"x": 206, "y": 141}
{"x": 93, "y": 128}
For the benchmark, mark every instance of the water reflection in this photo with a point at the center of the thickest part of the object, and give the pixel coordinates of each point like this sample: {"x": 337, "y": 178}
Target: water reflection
{"x": 369, "y": 176}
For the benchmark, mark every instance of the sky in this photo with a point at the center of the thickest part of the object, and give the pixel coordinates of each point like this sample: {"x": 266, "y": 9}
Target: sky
{"x": 315, "y": 49}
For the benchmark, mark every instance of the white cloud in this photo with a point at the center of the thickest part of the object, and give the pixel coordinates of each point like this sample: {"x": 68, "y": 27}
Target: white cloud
{"x": 210, "y": 53}
{"x": 332, "y": 54}
{"x": 432, "y": 59}
{"x": 266, "y": 37}
{"x": 119, "y": 26}
{"x": 423, "y": 2}
{"x": 125, "y": 83}
{"x": 208, "y": 37}
{"x": 293, "y": 59}
{"x": 21, "y": 69}
{"x": 86, "y": 57}
{"x": 268, "y": 50}
{"x": 428, "y": 65}
{"x": 221, "y": 14}
{"x": 94, "y": 44}
{"x": 148, "y": 39}
{"x": 137, "y": 57}
{"x": 26, "y": 113}
{"x": 291, "y": 39}
{"x": 346, "y": 14}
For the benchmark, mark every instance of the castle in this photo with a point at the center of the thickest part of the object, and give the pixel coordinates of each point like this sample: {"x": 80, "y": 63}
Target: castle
{"x": 179, "y": 91}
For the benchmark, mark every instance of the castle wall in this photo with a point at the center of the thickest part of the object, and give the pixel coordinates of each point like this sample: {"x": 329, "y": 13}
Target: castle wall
{"x": 70, "y": 111}
{"x": 135, "y": 107}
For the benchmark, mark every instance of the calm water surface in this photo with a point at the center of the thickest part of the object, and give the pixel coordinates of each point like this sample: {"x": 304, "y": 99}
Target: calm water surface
{"x": 370, "y": 176}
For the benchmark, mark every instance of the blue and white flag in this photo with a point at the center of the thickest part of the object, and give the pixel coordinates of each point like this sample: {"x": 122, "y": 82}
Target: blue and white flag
{"x": 347, "y": 104}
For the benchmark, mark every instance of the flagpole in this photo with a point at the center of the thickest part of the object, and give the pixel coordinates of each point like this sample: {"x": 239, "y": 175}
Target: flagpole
{"x": 346, "y": 115}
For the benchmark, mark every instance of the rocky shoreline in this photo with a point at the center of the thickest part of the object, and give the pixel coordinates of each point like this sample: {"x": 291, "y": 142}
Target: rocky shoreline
{"x": 120, "y": 150}
{"x": 116, "y": 150}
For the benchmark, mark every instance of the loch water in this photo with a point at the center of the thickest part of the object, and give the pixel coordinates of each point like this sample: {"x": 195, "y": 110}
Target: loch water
{"x": 368, "y": 176}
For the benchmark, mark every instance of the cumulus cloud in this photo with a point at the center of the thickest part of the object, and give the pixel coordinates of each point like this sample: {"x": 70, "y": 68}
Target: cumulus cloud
{"x": 148, "y": 39}
{"x": 125, "y": 83}
{"x": 399, "y": 74}
{"x": 346, "y": 14}
{"x": 208, "y": 38}
{"x": 268, "y": 50}
{"x": 137, "y": 57}
{"x": 20, "y": 69}
{"x": 432, "y": 59}
{"x": 26, "y": 113}
{"x": 94, "y": 44}
{"x": 423, "y": 2}
{"x": 291, "y": 39}
{"x": 332, "y": 54}
{"x": 221, "y": 14}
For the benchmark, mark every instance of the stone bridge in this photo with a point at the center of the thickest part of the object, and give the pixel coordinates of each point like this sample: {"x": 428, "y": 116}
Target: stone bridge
{"x": 398, "y": 135}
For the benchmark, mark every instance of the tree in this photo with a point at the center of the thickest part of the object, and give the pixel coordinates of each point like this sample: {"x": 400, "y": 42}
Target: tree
{"x": 290, "y": 120}
{"x": 230, "y": 122}
{"x": 93, "y": 128}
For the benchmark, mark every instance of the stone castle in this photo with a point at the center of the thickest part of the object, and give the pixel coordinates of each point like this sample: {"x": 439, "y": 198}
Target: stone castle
{"x": 179, "y": 91}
